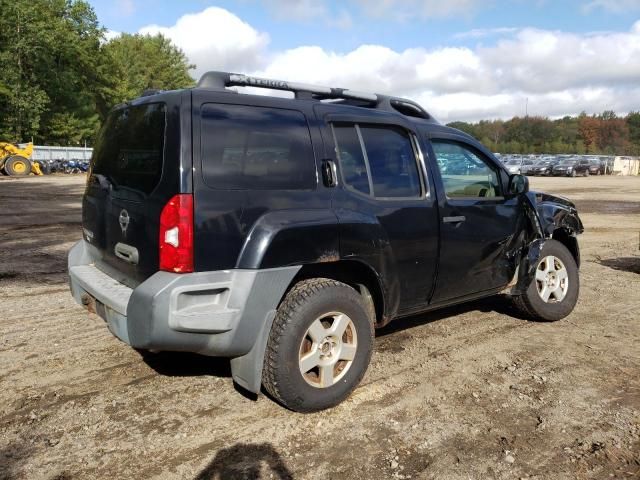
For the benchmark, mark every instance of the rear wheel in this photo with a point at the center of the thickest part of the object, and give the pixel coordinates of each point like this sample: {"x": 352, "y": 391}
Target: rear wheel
{"x": 553, "y": 292}
{"x": 17, "y": 166}
{"x": 319, "y": 346}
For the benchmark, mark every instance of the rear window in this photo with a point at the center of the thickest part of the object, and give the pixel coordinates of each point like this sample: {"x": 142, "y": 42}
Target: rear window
{"x": 129, "y": 150}
{"x": 256, "y": 148}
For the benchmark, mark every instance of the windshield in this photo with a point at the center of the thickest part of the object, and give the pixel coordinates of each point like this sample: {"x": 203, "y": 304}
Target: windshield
{"x": 129, "y": 148}
{"x": 568, "y": 162}
{"x": 513, "y": 162}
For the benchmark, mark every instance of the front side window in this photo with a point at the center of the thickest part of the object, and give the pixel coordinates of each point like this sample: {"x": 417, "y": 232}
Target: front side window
{"x": 465, "y": 173}
{"x": 377, "y": 160}
{"x": 256, "y": 148}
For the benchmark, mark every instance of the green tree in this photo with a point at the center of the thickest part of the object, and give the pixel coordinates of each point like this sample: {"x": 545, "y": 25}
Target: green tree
{"x": 49, "y": 52}
{"x": 633, "y": 124}
{"x": 132, "y": 64}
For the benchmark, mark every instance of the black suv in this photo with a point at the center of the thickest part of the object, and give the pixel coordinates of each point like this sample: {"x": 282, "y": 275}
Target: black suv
{"x": 280, "y": 232}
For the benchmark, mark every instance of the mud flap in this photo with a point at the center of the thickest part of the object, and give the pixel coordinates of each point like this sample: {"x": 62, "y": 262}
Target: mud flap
{"x": 247, "y": 370}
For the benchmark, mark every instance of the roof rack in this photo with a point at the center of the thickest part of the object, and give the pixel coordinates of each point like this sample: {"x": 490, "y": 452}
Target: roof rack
{"x": 221, "y": 80}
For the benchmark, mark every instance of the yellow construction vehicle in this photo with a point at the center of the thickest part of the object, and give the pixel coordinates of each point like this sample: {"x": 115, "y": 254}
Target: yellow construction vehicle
{"x": 15, "y": 161}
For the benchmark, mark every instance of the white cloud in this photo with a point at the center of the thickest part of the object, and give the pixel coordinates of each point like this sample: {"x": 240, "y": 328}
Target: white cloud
{"x": 111, "y": 34}
{"x": 216, "y": 39}
{"x": 560, "y": 73}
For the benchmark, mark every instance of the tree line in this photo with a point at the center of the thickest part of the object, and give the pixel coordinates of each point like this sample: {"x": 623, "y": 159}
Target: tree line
{"x": 605, "y": 134}
{"x": 60, "y": 76}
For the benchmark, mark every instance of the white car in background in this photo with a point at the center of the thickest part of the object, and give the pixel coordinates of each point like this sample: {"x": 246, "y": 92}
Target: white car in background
{"x": 514, "y": 166}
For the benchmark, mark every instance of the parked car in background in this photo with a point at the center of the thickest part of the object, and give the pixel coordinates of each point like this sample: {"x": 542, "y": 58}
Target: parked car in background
{"x": 564, "y": 168}
{"x": 526, "y": 166}
{"x": 542, "y": 168}
{"x": 596, "y": 167}
{"x": 513, "y": 166}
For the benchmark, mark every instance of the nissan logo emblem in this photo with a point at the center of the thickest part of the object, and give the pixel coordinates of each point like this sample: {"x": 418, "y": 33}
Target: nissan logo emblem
{"x": 124, "y": 221}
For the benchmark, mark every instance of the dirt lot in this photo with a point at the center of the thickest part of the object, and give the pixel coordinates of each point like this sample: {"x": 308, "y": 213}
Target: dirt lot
{"x": 470, "y": 392}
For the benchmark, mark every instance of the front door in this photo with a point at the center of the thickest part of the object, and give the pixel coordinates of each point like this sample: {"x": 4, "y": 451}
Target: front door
{"x": 479, "y": 224}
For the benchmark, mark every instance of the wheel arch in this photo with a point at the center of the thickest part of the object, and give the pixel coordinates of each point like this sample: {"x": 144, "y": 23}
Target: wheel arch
{"x": 356, "y": 274}
{"x": 565, "y": 237}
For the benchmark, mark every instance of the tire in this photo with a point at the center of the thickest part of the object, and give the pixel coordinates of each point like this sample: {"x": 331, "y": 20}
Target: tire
{"x": 531, "y": 303}
{"x": 586, "y": 172}
{"x": 17, "y": 166}
{"x": 573, "y": 173}
{"x": 311, "y": 309}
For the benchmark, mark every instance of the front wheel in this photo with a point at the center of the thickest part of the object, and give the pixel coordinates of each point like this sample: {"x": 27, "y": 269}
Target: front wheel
{"x": 319, "y": 346}
{"x": 587, "y": 173}
{"x": 17, "y": 166}
{"x": 553, "y": 292}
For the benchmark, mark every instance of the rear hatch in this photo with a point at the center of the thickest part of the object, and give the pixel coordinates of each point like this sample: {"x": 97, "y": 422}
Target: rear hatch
{"x": 123, "y": 198}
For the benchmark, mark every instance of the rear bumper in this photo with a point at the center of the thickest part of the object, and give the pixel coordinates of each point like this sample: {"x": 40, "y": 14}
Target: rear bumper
{"x": 217, "y": 313}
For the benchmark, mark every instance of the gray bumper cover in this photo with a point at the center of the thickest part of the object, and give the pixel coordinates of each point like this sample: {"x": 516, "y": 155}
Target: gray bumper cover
{"x": 225, "y": 313}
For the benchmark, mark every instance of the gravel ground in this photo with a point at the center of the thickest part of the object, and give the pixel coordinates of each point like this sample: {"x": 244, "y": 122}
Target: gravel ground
{"x": 468, "y": 392}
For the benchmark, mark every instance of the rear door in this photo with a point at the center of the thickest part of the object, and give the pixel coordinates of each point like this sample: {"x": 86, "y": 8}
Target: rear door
{"x": 480, "y": 227}
{"x": 133, "y": 173}
{"x": 384, "y": 203}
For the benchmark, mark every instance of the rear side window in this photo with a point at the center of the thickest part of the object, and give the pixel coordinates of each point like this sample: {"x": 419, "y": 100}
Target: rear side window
{"x": 377, "y": 160}
{"x": 129, "y": 149}
{"x": 256, "y": 148}
{"x": 349, "y": 149}
{"x": 392, "y": 161}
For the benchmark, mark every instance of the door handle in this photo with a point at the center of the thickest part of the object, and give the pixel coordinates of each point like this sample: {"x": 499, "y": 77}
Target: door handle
{"x": 458, "y": 219}
{"x": 329, "y": 174}
{"x": 126, "y": 253}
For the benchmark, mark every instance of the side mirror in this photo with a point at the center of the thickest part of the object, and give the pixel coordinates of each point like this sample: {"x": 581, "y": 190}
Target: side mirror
{"x": 518, "y": 184}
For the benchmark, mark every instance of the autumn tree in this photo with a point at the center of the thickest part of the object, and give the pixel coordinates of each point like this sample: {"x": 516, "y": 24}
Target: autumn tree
{"x": 588, "y": 128}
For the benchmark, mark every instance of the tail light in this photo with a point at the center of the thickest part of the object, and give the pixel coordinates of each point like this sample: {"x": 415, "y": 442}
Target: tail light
{"x": 176, "y": 235}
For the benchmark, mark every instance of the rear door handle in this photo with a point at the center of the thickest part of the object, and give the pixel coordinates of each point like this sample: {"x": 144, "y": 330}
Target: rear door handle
{"x": 458, "y": 219}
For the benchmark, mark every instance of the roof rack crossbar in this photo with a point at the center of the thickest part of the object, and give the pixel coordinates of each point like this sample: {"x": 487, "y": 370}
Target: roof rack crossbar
{"x": 223, "y": 79}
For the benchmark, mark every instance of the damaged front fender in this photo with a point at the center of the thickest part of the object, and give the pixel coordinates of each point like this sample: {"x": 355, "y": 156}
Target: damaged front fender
{"x": 551, "y": 217}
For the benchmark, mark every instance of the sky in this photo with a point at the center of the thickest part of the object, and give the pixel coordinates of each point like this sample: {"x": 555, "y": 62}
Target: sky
{"x": 460, "y": 59}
